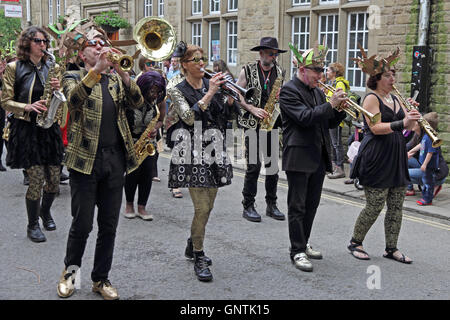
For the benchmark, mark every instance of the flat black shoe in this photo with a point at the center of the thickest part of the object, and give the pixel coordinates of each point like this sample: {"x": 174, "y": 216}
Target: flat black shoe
{"x": 273, "y": 212}
{"x": 2, "y": 168}
{"x": 189, "y": 252}
{"x": 251, "y": 214}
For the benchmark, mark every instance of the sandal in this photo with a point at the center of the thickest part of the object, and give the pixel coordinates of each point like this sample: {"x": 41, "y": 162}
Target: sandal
{"x": 353, "y": 248}
{"x": 176, "y": 193}
{"x": 390, "y": 255}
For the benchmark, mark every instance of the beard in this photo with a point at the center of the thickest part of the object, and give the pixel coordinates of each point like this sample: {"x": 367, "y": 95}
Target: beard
{"x": 266, "y": 63}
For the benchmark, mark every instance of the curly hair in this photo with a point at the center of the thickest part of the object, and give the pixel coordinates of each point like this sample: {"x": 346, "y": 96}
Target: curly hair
{"x": 338, "y": 68}
{"x": 24, "y": 43}
{"x": 150, "y": 79}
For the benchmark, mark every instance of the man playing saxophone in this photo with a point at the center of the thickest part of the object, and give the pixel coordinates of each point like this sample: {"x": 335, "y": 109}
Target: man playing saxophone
{"x": 262, "y": 75}
{"x": 37, "y": 150}
{"x": 144, "y": 124}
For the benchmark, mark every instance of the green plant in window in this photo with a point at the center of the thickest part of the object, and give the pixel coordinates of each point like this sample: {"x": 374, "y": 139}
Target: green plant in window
{"x": 112, "y": 19}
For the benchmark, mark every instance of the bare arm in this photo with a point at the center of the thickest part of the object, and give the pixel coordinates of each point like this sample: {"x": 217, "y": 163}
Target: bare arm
{"x": 426, "y": 161}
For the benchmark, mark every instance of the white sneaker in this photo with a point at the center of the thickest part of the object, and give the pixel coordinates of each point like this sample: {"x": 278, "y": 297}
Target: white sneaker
{"x": 129, "y": 215}
{"x": 301, "y": 262}
{"x": 313, "y": 254}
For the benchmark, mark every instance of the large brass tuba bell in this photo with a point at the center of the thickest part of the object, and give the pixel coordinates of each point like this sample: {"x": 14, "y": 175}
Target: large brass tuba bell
{"x": 155, "y": 38}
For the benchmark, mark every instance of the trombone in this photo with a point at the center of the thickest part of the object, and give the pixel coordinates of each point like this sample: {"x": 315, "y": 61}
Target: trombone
{"x": 354, "y": 107}
{"x": 230, "y": 88}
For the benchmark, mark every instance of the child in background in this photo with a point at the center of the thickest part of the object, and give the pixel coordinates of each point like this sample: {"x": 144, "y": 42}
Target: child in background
{"x": 429, "y": 160}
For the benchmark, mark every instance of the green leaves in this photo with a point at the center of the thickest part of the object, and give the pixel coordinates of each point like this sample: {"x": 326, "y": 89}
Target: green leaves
{"x": 112, "y": 19}
{"x": 9, "y": 28}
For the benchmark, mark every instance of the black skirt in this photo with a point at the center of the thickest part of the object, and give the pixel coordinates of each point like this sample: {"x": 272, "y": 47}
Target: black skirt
{"x": 30, "y": 145}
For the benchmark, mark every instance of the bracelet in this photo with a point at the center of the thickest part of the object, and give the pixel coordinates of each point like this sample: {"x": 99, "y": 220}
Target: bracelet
{"x": 397, "y": 125}
{"x": 91, "y": 79}
{"x": 202, "y": 105}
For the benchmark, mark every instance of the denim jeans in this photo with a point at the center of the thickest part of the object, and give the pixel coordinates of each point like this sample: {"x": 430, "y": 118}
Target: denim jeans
{"x": 338, "y": 148}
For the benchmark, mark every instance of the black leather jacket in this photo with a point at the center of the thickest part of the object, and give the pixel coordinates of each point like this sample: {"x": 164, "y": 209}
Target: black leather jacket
{"x": 18, "y": 83}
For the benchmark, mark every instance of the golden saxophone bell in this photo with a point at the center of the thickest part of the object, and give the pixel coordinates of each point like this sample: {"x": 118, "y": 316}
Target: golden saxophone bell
{"x": 155, "y": 37}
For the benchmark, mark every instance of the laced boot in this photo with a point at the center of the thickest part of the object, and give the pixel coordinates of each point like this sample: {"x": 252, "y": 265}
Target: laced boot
{"x": 273, "y": 212}
{"x": 251, "y": 214}
{"x": 189, "y": 252}
{"x": 33, "y": 230}
{"x": 201, "y": 267}
{"x": 47, "y": 220}
{"x": 337, "y": 173}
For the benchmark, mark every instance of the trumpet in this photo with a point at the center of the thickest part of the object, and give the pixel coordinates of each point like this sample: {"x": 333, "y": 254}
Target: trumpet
{"x": 125, "y": 62}
{"x": 354, "y": 107}
{"x": 436, "y": 142}
{"x": 230, "y": 88}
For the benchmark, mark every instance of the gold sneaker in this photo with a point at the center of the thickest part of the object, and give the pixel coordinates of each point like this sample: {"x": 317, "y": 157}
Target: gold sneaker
{"x": 105, "y": 288}
{"x": 66, "y": 284}
{"x": 311, "y": 253}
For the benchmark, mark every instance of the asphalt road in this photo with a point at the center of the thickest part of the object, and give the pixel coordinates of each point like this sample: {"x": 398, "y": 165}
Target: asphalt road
{"x": 250, "y": 260}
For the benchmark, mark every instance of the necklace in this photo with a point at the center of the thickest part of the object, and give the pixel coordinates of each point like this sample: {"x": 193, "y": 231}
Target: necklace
{"x": 388, "y": 99}
{"x": 266, "y": 80}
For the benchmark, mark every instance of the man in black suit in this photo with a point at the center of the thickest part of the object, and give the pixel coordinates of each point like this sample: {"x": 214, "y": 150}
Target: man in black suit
{"x": 306, "y": 117}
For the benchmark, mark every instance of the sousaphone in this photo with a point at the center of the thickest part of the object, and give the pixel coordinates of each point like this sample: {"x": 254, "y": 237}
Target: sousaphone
{"x": 155, "y": 38}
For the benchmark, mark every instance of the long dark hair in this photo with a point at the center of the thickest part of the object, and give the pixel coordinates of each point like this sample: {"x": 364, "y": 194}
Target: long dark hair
{"x": 24, "y": 43}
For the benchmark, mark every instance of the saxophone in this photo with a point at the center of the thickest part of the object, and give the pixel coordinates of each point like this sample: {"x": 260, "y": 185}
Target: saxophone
{"x": 144, "y": 147}
{"x": 422, "y": 122}
{"x": 53, "y": 98}
{"x": 272, "y": 107}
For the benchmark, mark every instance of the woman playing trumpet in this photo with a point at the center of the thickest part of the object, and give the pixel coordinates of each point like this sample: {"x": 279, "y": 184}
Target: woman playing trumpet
{"x": 201, "y": 112}
{"x": 39, "y": 151}
{"x": 382, "y": 161}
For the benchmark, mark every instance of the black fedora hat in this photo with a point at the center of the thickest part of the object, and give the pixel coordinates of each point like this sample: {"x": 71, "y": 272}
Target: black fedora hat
{"x": 268, "y": 43}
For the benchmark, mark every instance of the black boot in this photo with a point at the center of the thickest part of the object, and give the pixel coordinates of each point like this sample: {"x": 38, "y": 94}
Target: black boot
{"x": 189, "y": 252}
{"x": 250, "y": 214}
{"x": 273, "y": 212}
{"x": 26, "y": 180}
{"x": 63, "y": 177}
{"x": 201, "y": 267}
{"x": 33, "y": 230}
{"x": 47, "y": 220}
{"x": 2, "y": 168}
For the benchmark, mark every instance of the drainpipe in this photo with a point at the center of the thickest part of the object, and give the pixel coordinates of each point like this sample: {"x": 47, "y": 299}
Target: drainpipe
{"x": 29, "y": 12}
{"x": 422, "y": 60}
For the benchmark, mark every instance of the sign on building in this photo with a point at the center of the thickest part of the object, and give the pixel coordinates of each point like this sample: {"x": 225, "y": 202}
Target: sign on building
{"x": 13, "y": 11}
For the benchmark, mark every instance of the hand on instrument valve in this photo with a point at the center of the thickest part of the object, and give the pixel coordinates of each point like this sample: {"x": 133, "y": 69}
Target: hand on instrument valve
{"x": 410, "y": 119}
{"x": 338, "y": 98}
{"x": 216, "y": 82}
{"x": 259, "y": 112}
{"x": 413, "y": 102}
{"x": 152, "y": 134}
{"x": 38, "y": 106}
{"x": 55, "y": 84}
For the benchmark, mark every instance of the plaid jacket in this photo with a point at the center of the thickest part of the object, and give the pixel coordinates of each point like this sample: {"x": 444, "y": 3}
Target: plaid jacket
{"x": 85, "y": 118}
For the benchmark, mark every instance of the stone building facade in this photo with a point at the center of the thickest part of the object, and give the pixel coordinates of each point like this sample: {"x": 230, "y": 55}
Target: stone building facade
{"x": 228, "y": 29}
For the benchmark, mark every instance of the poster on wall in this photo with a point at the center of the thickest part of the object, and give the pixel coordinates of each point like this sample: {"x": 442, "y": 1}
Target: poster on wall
{"x": 215, "y": 48}
{"x": 12, "y": 11}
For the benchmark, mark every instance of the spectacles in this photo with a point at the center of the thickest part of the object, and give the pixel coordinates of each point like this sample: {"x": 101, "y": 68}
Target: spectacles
{"x": 197, "y": 59}
{"x": 37, "y": 40}
{"x": 316, "y": 69}
{"x": 94, "y": 42}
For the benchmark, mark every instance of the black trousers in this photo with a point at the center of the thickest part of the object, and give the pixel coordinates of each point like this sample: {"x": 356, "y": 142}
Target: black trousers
{"x": 102, "y": 188}
{"x": 253, "y": 170}
{"x": 141, "y": 177}
{"x": 304, "y": 194}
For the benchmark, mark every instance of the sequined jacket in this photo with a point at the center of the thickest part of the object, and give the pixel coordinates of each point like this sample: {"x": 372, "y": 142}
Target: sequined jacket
{"x": 18, "y": 83}
{"x": 85, "y": 117}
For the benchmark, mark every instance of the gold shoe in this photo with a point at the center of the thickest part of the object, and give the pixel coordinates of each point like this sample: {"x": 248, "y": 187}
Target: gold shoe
{"x": 66, "y": 284}
{"x": 105, "y": 288}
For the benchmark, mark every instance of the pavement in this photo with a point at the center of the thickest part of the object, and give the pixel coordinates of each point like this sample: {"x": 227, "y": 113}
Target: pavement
{"x": 439, "y": 209}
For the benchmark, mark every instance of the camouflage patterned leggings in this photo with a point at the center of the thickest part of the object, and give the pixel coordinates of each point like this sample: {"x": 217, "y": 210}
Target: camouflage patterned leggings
{"x": 375, "y": 200}
{"x": 40, "y": 174}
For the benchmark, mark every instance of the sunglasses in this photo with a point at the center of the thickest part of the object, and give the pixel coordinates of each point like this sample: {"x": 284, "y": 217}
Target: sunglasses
{"x": 271, "y": 54}
{"x": 197, "y": 59}
{"x": 149, "y": 64}
{"x": 94, "y": 42}
{"x": 316, "y": 69}
{"x": 37, "y": 40}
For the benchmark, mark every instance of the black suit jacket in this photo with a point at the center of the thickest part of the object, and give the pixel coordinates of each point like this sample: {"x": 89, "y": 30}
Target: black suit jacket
{"x": 306, "y": 118}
